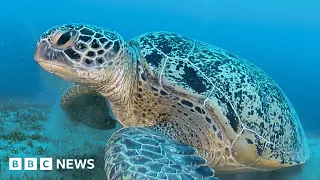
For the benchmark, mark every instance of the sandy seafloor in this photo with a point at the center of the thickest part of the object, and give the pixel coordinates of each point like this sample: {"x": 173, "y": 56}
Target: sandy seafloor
{"x": 38, "y": 131}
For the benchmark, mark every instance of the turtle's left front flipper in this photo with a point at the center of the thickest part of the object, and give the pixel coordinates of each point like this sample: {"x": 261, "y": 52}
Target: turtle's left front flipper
{"x": 86, "y": 106}
{"x": 142, "y": 153}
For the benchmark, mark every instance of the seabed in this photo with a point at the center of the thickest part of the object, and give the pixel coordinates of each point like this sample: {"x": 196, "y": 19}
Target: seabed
{"x": 30, "y": 130}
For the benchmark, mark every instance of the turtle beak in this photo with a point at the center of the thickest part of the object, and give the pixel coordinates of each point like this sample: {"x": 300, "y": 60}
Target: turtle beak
{"x": 45, "y": 52}
{"x": 40, "y": 51}
{"x": 54, "y": 61}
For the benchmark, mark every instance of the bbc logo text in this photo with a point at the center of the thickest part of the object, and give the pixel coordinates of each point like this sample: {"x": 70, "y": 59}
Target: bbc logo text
{"x": 47, "y": 164}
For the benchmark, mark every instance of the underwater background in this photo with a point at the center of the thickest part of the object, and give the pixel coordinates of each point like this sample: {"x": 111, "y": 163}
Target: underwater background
{"x": 282, "y": 38}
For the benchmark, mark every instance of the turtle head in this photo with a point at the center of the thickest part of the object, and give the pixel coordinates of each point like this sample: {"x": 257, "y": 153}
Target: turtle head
{"x": 81, "y": 53}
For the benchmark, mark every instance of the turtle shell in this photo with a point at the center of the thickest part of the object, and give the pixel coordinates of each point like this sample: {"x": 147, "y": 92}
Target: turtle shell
{"x": 254, "y": 114}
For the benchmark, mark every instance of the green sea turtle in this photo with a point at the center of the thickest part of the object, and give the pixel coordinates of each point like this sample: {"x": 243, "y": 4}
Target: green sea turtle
{"x": 187, "y": 107}
{"x": 97, "y": 115}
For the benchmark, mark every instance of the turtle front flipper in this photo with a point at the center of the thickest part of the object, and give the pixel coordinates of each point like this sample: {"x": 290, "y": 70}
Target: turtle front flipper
{"x": 142, "y": 153}
{"x": 86, "y": 106}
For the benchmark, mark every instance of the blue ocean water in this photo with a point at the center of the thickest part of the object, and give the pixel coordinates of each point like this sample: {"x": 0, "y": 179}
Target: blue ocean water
{"x": 282, "y": 38}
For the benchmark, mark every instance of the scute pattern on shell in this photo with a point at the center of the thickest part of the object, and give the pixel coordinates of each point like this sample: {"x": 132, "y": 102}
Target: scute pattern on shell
{"x": 246, "y": 96}
{"x": 140, "y": 153}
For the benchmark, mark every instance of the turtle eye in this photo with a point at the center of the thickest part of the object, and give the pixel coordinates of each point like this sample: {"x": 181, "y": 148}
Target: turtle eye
{"x": 64, "y": 39}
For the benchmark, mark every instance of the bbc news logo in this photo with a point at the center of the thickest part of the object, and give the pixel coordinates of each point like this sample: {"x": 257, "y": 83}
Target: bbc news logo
{"x": 47, "y": 164}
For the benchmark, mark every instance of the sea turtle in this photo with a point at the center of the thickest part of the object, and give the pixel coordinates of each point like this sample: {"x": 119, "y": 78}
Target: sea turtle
{"x": 187, "y": 107}
{"x": 74, "y": 103}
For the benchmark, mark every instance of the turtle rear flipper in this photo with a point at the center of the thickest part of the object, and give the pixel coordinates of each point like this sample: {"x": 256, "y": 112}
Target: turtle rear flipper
{"x": 142, "y": 153}
{"x": 86, "y": 106}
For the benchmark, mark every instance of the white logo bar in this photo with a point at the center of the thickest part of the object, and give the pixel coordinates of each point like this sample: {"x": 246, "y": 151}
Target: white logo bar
{"x": 46, "y": 164}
